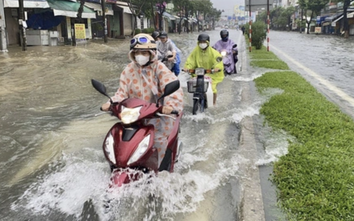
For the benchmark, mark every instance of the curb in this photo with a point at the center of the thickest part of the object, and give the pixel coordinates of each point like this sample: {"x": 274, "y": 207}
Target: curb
{"x": 252, "y": 208}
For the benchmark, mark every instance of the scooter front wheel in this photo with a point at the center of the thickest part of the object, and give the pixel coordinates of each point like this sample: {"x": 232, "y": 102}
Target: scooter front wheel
{"x": 195, "y": 106}
{"x": 202, "y": 105}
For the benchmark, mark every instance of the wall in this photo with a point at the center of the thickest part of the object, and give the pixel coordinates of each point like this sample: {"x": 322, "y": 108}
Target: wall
{"x": 127, "y": 22}
{"x": 12, "y": 28}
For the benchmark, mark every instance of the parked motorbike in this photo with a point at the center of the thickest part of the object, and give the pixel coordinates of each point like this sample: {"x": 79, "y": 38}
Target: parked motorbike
{"x": 200, "y": 87}
{"x": 129, "y": 144}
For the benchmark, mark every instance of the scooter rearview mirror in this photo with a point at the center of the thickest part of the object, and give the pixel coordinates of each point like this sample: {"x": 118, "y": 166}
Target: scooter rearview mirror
{"x": 100, "y": 88}
{"x": 169, "y": 89}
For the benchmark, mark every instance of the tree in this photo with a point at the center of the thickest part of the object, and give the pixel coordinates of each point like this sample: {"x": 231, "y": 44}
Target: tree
{"x": 182, "y": 8}
{"x": 315, "y": 6}
{"x": 202, "y": 7}
{"x": 344, "y": 23}
{"x": 274, "y": 17}
{"x": 135, "y": 7}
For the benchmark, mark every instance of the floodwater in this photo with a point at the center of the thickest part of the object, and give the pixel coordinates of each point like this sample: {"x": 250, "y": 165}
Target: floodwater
{"x": 52, "y": 165}
{"x": 326, "y": 61}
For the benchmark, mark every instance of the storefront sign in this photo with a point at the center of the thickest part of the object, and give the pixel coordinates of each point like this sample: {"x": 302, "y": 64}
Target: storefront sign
{"x": 318, "y": 30}
{"x": 80, "y": 32}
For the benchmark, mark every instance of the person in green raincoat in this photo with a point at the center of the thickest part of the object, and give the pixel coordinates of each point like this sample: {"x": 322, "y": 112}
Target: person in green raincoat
{"x": 208, "y": 58}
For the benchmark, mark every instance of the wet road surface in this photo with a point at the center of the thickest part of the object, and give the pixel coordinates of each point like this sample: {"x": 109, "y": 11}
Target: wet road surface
{"x": 52, "y": 165}
{"x": 326, "y": 61}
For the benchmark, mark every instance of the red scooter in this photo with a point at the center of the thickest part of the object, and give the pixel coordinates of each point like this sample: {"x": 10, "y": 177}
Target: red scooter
{"x": 129, "y": 144}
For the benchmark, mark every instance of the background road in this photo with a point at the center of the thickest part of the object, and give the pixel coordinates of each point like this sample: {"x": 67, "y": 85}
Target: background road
{"x": 326, "y": 61}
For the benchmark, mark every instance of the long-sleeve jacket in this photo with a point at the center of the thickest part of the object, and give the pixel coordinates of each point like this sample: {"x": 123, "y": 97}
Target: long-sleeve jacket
{"x": 147, "y": 83}
{"x": 231, "y": 56}
{"x": 208, "y": 58}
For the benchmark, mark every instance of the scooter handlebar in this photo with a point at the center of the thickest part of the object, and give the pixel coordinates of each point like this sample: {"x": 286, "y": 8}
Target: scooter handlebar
{"x": 175, "y": 112}
{"x": 192, "y": 71}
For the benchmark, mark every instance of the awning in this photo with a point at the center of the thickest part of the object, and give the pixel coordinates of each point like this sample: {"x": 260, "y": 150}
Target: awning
{"x": 126, "y": 9}
{"x": 338, "y": 19}
{"x": 98, "y": 8}
{"x": 26, "y": 4}
{"x": 69, "y": 9}
{"x": 349, "y": 15}
{"x": 168, "y": 16}
{"x": 333, "y": 17}
{"x": 94, "y": 6}
{"x": 44, "y": 21}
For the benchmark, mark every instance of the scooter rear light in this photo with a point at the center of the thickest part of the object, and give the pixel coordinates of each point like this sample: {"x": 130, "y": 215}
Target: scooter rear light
{"x": 140, "y": 150}
{"x": 129, "y": 115}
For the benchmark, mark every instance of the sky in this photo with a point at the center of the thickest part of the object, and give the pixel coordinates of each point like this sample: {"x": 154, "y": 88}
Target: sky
{"x": 227, "y": 5}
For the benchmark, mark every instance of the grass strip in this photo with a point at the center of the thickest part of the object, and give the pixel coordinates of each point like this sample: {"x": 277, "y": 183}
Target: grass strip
{"x": 315, "y": 180}
{"x": 265, "y": 59}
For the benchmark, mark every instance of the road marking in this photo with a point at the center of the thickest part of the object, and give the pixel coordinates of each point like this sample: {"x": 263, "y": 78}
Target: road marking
{"x": 323, "y": 81}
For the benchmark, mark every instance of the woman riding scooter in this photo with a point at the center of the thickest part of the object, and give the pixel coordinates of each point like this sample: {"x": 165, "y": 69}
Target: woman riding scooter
{"x": 145, "y": 78}
{"x": 227, "y": 46}
{"x": 207, "y": 58}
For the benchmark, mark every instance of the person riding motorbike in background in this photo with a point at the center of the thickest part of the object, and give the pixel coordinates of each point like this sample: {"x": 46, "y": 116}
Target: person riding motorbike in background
{"x": 227, "y": 45}
{"x": 207, "y": 58}
{"x": 145, "y": 78}
{"x": 176, "y": 65}
{"x": 165, "y": 48}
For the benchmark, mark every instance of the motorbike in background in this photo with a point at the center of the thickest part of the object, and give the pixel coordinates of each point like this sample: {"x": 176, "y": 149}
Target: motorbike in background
{"x": 129, "y": 144}
{"x": 200, "y": 87}
{"x": 229, "y": 57}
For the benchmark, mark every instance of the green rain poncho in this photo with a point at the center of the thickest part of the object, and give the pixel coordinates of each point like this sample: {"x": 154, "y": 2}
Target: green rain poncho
{"x": 207, "y": 59}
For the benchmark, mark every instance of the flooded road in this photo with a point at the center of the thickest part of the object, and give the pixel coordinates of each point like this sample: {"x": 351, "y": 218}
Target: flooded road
{"x": 52, "y": 165}
{"x": 326, "y": 61}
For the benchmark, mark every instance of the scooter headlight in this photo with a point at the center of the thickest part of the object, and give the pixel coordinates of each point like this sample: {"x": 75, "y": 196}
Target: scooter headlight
{"x": 109, "y": 148}
{"x": 199, "y": 71}
{"x": 140, "y": 150}
{"x": 223, "y": 53}
{"x": 129, "y": 115}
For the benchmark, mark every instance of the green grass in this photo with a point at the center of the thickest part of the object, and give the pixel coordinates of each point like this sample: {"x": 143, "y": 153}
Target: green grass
{"x": 315, "y": 180}
{"x": 266, "y": 59}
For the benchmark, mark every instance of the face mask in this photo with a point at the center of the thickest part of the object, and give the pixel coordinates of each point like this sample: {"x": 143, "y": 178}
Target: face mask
{"x": 203, "y": 45}
{"x": 225, "y": 39}
{"x": 141, "y": 59}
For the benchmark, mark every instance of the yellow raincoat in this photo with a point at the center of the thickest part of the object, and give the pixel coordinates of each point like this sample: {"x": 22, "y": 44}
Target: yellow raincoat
{"x": 207, "y": 59}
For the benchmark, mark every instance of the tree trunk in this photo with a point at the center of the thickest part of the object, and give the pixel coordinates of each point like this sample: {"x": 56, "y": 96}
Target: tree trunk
{"x": 308, "y": 23}
{"x": 301, "y": 21}
{"x": 345, "y": 18}
{"x": 153, "y": 16}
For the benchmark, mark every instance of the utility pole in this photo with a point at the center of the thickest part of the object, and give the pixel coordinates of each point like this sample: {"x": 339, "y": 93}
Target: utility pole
{"x": 103, "y": 5}
{"x": 302, "y": 17}
{"x": 21, "y": 16}
{"x": 250, "y": 28}
{"x": 267, "y": 25}
{"x": 3, "y": 42}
